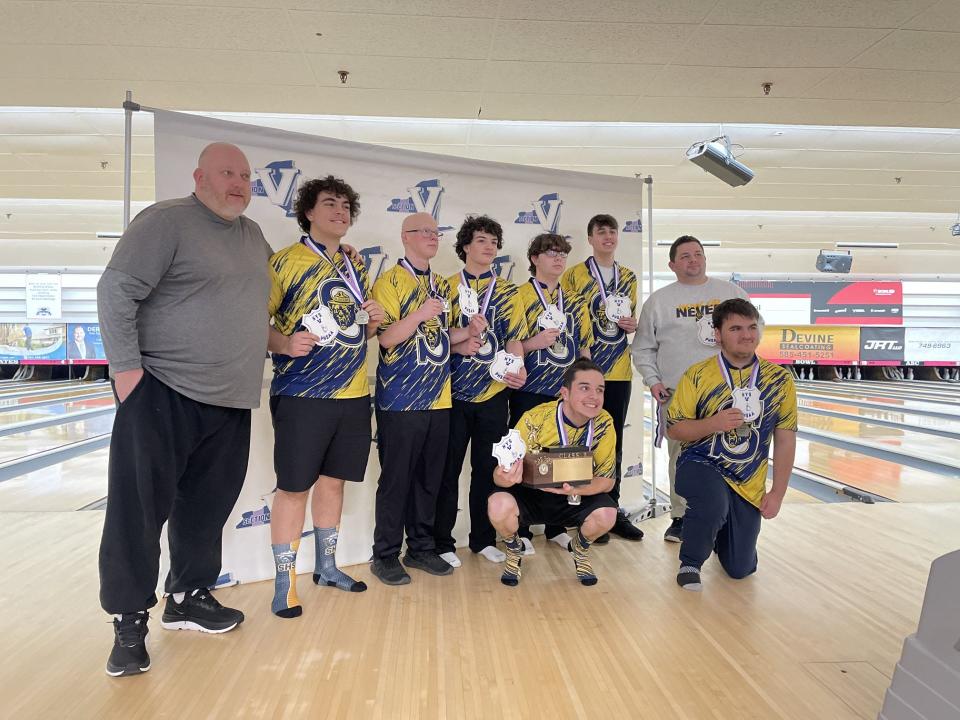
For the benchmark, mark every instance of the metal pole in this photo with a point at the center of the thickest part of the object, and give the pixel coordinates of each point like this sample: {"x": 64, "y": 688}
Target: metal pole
{"x": 648, "y": 180}
{"x": 129, "y": 107}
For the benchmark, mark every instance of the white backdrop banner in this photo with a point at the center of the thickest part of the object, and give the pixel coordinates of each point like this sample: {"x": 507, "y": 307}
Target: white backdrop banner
{"x": 391, "y": 183}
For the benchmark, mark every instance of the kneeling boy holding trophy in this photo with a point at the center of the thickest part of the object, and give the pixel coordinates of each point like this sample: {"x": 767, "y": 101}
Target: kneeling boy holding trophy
{"x": 557, "y": 467}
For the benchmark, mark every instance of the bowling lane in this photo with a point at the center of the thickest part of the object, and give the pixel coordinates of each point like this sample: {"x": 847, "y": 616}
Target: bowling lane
{"x": 22, "y": 444}
{"x": 41, "y": 392}
{"x": 920, "y": 406}
{"x": 874, "y": 475}
{"x": 67, "y": 486}
{"x": 10, "y": 386}
{"x": 853, "y": 389}
{"x": 55, "y": 402}
{"x": 908, "y": 420}
{"x": 54, "y": 409}
{"x": 918, "y": 445}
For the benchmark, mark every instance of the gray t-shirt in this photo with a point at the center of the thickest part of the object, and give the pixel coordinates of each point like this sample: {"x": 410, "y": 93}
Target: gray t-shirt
{"x": 185, "y": 297}
{"x": 668, "y": 338}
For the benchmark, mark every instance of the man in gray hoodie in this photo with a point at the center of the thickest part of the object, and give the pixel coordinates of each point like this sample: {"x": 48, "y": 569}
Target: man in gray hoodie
{"x": 675, "y": 331}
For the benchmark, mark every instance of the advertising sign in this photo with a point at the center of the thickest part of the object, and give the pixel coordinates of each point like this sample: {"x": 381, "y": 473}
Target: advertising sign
{"x": 932, "y": 346}
{"x": 810, "y": 345}
{"x": 43, "y": 296}
{"x": 881, "y": 346}
{"x": 32, "y": 343}
{"x": 827, "y": 302}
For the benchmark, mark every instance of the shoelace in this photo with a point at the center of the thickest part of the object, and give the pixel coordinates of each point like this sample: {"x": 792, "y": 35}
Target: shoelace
{"x": 130, "y": 633}
{"x": 204, "y": 596}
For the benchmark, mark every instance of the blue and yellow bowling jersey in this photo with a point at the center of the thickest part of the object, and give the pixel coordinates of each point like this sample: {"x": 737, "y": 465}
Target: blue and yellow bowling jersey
{"x": 301, "y": 280}
{"x": 545, "y": 367}
{"x": 414, "y": 374}
{"x": 538, "y": 428}
{"x": 703, "y": 392}
{"x": 470, "y": 375}
{"x": 610, "y": 349}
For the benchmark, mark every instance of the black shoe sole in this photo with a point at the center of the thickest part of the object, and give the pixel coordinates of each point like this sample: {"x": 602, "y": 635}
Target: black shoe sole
{"x": 125, "y": 670}
{"x": 417, "y": 565}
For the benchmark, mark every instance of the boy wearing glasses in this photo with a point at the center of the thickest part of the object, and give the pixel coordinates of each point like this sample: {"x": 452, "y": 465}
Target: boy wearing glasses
{"x": 413, "y": 403}
{"x": 610, "y": 291}
{"x": 560, "y": 332}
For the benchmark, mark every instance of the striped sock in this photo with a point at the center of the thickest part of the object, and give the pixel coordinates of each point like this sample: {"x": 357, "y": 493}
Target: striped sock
{"x": 511, "y": 567}
{"x": 581, "y": 559}
{"x": 285, "y": 603}
{"x": 326, "y": 571}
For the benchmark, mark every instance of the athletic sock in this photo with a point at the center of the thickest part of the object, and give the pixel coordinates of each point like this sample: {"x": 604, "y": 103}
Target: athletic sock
{"x": 511, "y": 568}
{"x": 285, "y": 603}
{"x": 326, "y": 571}
{"x": 581, "y": 559}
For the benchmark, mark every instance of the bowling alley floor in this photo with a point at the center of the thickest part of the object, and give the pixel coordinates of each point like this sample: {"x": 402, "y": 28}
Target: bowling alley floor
{"x": 813, "y": 635}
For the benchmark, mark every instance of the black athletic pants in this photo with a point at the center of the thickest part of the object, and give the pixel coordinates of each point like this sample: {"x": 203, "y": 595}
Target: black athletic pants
{"x": 479, "y": 424}
{"x": 171, "y": 459}
{"x": 616, "y": 399}
{"x": 412, "y": 446}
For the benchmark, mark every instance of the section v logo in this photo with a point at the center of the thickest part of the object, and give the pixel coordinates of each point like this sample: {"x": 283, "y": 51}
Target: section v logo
{"x": 633, "y": 226}
{"x": 545, "y": 213}
{"x": 503, "y": 266}
{"x": 374, "y": 259}
{"x": 425, "y": 197}
{"x": 278, "y": 182}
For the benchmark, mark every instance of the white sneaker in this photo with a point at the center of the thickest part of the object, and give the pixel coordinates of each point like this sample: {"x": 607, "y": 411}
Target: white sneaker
{"x": 563, "y": 540}
{"x": 492, "y": 554}
{"x": 528, "y": 547}
{"x": 451, "y": 558}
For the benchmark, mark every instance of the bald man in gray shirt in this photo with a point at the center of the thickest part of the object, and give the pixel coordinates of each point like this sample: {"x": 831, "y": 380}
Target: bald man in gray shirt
{"x": 674, "y": 331}
{"x": 183, "y": 314}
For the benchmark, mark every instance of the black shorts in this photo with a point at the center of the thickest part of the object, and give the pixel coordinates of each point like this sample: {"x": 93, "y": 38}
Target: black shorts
{"x": 318, "y": 436}
{"x": 537, "y": 506}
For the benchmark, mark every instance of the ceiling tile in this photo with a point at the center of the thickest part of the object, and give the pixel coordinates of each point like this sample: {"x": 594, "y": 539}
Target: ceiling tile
{"x": 566, "y": 78}
{"x": 619, "y": 11}
{"x": 897, "y": 85}
{"x": 398, "y": 73}
{"x": 711, "y": 81}
{"x": 817, "y": 13}
{"x": 943, "y": 16}
{"x": 588, "y": 42}
{"x": 913, "y": 50}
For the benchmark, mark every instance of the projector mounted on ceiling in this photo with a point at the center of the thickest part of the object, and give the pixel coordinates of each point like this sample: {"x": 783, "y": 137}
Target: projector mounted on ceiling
{"x": 716, "y": 157}
{"x": 834, "y": 262}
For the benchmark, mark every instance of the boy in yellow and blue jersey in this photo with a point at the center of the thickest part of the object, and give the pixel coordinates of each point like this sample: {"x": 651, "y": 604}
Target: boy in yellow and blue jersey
{"x": 725, "y": 412}
{"x": 610, "y": 290}
{"x": 550, "y": 349}
{"x": 413, "y": 403}
{"x": 478, "y": 416}
{"x": 319, "y": 397}
{"x": 577, "y": 418}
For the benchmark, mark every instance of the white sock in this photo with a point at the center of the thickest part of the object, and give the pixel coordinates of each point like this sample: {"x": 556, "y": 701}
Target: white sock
{"x": 492, "y": 554}
{"x": 562, "y": 540}
{"x": 528, "y": 547}
{"x": 451, "y": 559}
{"x": 178, "y": 597}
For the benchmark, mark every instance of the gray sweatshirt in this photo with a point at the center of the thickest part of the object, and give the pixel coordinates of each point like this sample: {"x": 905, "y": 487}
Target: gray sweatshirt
{"x": 185, "y": 297}
{"x": 667, "y": 340}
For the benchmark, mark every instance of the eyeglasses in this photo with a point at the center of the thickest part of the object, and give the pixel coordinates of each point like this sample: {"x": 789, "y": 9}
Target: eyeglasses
{"x": 427, "y": 233}
{"x": 554, "y": 254}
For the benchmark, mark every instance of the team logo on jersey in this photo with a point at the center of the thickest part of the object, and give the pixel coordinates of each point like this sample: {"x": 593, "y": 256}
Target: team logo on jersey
{"x": 488, "y": 349}
{"x": 545, "y": 213}
{"x": 433, "y": 343}
{"x": 335, "y": 296}
{"x": 374, "y": 258}
{"x": 503, "y": 266}
{"x": 633, "y": 226}
{"x": 278, "y": 182}
{"x": 604, "y": 330}
{"x": 733, "y": 449}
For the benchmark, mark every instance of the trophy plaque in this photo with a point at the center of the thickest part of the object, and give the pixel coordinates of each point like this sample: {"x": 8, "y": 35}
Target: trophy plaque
{"x": 553, "y": 466}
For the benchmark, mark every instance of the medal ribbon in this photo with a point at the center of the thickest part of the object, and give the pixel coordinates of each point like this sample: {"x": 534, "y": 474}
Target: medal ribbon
{"x": 542, "y": 297}
{"x": 410, "y": 269}
{"x": 728, "y": 378}
{"x": 489, "y": 294}
{"x": 595, "y": 271}
{"x": 349, "y": 278}
{"x": 562, "y": 430}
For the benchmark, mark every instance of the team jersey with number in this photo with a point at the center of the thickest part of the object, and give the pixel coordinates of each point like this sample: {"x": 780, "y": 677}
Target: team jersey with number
{"x": 301, "y": 282}
{"x": 414, "y": 374}
{"x": 470, "y": 375}
{"x": 703, "y": 391}
{"x": 538, "y": 428}
{"x": 610, "y": 349}
{"x": 545, "y": 367}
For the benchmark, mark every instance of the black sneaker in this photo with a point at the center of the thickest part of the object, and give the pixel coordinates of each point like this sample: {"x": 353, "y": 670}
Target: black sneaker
{"x": 674, "y": 533}
{"x": 428, "y": 561}
{"x": 199, "y": 611}
{"x": 626, "y": 529}
{"x": 602, "y": 540}
{"x": 389, "y": 571}
{"x": 129, "y": 655}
